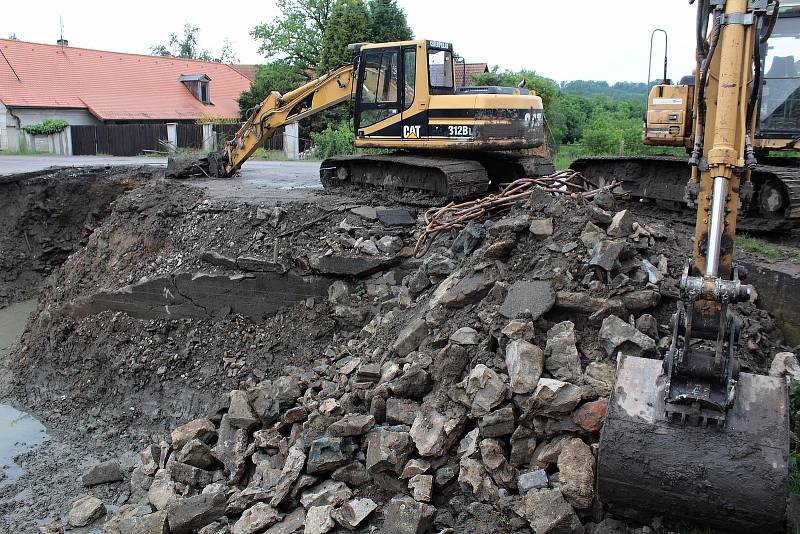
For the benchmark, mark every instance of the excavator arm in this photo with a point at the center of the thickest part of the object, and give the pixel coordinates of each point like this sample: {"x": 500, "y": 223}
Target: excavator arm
{"x": 275, "y": 111}
{"x": 691, "y": 436}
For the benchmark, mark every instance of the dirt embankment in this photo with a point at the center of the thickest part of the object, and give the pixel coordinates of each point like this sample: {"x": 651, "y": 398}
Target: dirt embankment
{"x": 466, "y": 386}
{"x": 46, "y": 216}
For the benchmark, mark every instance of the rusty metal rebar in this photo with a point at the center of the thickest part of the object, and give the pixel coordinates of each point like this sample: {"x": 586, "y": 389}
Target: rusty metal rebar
{"x": 456, "y": 216}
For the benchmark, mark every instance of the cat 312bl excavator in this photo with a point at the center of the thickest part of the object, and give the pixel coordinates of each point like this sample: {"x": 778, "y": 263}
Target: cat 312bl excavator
{"x": 448, "y": 142}
{"x": 691, "y": 436}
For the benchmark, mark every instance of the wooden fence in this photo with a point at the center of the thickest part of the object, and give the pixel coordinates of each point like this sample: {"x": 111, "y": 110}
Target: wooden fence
{"x": 226, "y": 132}
{"x": 133, "y": 139}
{"x": 117, "y": 139}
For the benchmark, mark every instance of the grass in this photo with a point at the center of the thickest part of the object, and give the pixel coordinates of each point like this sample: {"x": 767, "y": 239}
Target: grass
{"x": 767, "y": 250}
{"x": 6, "y": 152}
{"x": 270, "y": 155}
{"x": 757, "y": 246}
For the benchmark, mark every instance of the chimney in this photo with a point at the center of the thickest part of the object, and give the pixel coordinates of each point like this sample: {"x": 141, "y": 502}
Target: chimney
{"x": 62, "y": 42}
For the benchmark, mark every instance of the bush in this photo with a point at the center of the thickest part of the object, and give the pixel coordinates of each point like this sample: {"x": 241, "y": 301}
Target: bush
{"x": 334, "y": 142}
{"x": 47, "y": 127}
{"x": 213, "y": 119}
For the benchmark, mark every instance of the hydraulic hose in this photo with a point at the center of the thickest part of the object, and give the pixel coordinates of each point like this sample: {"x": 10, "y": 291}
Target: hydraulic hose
{"x": 705, "y": 67}
{"x": 763, "y": 35}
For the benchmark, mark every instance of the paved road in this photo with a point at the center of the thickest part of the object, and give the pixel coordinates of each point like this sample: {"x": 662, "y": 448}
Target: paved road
{"x": 255, "y": 175}
{"x": 259, "y": 180}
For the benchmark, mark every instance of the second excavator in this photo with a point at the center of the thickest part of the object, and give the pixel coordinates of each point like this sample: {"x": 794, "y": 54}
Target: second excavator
{"x": 691, "y": 436}
{"x": 446, "y": 142}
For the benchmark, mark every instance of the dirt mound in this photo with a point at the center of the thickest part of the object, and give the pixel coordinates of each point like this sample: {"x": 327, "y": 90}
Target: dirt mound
{"x": 462, "y": 390}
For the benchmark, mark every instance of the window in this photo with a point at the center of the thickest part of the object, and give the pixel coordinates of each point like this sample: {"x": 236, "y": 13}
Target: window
{"x": 440, "y": 68}
{"x": 409, "y": 76}
{"x": 379, "y": 87}
{"x": 204, "y": 93}
{"x": 780, "y": 98}
{"x": 380, "y": 78}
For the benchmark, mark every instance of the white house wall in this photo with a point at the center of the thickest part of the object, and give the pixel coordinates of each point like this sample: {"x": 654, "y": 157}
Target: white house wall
{"x": 74, "y": 117}
{"x": 10, "y": 135}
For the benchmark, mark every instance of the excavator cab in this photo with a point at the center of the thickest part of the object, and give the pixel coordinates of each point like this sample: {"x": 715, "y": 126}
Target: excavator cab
{"x": 779, "y": 110}
{"x": 406, "y": 98}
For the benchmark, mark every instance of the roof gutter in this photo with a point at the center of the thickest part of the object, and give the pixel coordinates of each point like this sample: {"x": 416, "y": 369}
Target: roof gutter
{"x": 19, "y": 122}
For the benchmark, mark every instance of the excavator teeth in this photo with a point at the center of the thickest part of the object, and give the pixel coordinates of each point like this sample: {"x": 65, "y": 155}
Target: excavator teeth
{"x": 731, "y": 475}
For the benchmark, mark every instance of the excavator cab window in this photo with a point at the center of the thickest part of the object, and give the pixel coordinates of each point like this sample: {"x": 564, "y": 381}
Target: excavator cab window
{"x": 440, "y": 71}
{"x": 379, "y": 95}
{"x": 779, "y": 114}
{"x": 409, "y": 76}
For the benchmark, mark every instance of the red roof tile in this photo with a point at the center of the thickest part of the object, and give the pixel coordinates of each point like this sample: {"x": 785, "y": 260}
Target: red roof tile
{"x": 113, "y": 85}
{"x": 468, "y": 70}
{"x": 248, "y": 71}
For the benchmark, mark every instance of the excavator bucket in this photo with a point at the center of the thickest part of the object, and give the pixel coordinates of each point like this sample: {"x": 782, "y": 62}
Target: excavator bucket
{"x": 209, "y": 166}
{"x": 733, "y": 478}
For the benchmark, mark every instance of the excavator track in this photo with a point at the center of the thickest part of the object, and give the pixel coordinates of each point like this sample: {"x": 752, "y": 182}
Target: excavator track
{"x": 662, "y": 179}
{"x": 436, "y": 178}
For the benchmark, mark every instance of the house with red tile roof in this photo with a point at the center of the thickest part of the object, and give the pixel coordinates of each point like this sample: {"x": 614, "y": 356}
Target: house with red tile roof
{"x": 93, "y": 87}
{"x": 465, "y": 72}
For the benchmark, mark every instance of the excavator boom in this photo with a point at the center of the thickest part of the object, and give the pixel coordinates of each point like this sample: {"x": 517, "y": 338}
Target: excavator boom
{"x": 275, "y": 111}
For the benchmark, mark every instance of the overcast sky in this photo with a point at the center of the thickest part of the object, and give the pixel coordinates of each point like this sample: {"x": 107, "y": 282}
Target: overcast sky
{"x": 564, "y": 40}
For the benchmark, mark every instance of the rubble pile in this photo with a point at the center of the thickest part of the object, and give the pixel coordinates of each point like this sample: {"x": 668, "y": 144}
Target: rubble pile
{"x": 458, "y": 391}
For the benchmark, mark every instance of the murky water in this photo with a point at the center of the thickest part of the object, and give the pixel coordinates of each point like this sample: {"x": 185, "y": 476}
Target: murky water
{"x": 12, "y": 322}
{"x": 19, "y": 432}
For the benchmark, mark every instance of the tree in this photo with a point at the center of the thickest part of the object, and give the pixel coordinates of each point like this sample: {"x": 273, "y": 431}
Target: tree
{"x": 387, "y": 22}
{"x": 349, "y": 23}
{"x": 185, "y": 46}
{"x": 278, "y": 75}
{"x": 546, "y": 88}
{"x": 296, "y": 35}
{"x": 13, "y": 37}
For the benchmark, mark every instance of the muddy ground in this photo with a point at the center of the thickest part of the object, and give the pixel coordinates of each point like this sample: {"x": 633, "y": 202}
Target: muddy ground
{"x": 128, "y": 340}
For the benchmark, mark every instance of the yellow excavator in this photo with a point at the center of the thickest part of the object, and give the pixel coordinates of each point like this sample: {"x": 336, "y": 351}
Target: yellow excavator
{"x": 675, "y": 119}
{"x": 691, "y": 436}
{"x": 446, "y": 142}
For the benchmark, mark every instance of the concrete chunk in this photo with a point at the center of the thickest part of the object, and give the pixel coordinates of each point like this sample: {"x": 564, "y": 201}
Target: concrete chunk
{"x": 529, "y": 298}
{"x": 85, "y": 511}
{"x": 103, "y": 473}
{"x": 525, "y": 363}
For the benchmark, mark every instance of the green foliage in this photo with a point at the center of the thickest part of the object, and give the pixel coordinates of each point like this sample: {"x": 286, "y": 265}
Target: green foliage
{"x": 794, "y": 473}
{"x": 47, "y": 127}
{"x": 762, "y": 248}
{"x": 618, "y": 91}
{"x": 296, "y": 35}
{"x": 279, "y": 75}
{"x": 349, "y": 23}
{"x": 185, "y": 46}
{"x": 334, "y": 142}
{"x": 214, "y": 119}
{"x": 387, "y": 22}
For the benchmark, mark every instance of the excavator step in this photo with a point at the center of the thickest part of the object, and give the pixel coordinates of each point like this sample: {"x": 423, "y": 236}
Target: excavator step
{"x": 734, "y": 479}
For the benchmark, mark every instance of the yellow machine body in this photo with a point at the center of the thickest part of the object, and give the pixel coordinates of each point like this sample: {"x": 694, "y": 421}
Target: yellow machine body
{"x": 404, "y": 98}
